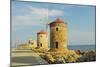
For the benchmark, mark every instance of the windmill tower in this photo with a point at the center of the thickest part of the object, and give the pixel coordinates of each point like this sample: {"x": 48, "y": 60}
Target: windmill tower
{"x": 58, "y": 36}
{"x": 42, "y": 39}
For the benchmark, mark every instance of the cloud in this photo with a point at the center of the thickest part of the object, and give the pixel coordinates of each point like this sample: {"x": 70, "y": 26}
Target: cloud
{"x": 55, "y": 13}
{"x": 29, "y": 15}
{"x": 26, "y": 20}
{"x": 45, "y": 11}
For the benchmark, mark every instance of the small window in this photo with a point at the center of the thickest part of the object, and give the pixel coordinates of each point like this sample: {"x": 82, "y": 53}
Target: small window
{"x": 41, "y": 44}
{"x": 56, "y": 44}
{"x": 57, "y": 29}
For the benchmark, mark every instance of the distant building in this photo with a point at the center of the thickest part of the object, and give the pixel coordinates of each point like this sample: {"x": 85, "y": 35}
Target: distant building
{"x": 22, "y": 46}
{"x": 42, "y": 39}
{"x": 58, "y": 36}
{"x": 32, "y": 43}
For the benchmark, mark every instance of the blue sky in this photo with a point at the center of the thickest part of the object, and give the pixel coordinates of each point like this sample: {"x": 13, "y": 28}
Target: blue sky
{"x": 30, "y": 17}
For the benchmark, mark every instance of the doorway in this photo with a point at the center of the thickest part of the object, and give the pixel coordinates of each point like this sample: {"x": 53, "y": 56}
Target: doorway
{"x": 56, "y": 44}
{"x": 41, "y": 44}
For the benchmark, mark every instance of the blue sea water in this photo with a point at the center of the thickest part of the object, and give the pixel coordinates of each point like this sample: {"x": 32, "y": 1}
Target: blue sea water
{"x": 82, "y": 47}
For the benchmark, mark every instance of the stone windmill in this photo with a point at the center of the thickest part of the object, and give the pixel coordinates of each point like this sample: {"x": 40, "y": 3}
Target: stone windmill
{"x": 58, "y": 36}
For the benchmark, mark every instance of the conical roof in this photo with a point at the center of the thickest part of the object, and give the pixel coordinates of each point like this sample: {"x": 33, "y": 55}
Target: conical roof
{"x": 42, "y": 32}
{"x": 57, "y": 21}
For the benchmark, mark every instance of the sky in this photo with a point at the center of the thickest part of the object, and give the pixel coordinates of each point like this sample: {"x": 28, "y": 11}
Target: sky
{"x": 30, "y": 17}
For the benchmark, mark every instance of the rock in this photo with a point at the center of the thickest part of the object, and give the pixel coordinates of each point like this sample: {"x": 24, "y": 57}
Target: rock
{"x": 50, "y": 58}
{"x": 59, "y": 59}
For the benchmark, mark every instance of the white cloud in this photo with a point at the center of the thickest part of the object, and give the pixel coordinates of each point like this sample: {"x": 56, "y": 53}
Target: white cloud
{"x": 55, "y": 12}
{"x": 26, "y": 20}
{"x": 40, "y": 12}
{"x": 34, "y": 15}
{"x": 46, "y": 11}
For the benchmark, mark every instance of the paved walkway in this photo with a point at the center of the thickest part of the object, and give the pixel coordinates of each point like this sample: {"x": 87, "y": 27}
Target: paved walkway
{"x": 26, "y": 57}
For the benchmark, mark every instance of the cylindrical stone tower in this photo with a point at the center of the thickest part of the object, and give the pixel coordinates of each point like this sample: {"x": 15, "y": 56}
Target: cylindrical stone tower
{"x": 42, "y": 39}
{"x": 58, "y": 35}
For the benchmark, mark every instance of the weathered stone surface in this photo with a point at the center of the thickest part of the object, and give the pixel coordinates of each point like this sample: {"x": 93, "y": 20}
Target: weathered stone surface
{"x": 42, "y": 40}
{"x": 58, "y": 36}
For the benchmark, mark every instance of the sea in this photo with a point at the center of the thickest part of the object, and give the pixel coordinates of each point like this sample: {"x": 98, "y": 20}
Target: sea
{"x": 82, "y": 47}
